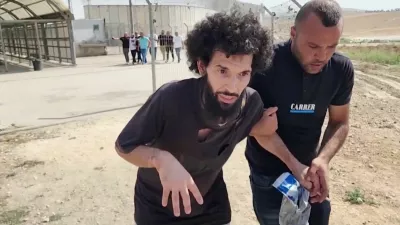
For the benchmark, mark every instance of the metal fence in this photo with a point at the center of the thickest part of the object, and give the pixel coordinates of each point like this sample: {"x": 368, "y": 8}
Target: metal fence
{"x": 284, "y": 15}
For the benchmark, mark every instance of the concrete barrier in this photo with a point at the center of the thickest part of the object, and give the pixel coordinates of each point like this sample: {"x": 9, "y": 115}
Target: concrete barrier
{"x": 84, "y": 50}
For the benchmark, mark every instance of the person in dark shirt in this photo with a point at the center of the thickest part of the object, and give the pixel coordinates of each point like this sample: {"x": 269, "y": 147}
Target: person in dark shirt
{"x": 133, "y": 47}
{"x": 125, "y": 45}
{"x": 186, "y": 131}
{"x": 169, "y": 46}
{"x": 162, "y": 43}
{"x": 138, "y": 47}
{"x": 315, "y": 80}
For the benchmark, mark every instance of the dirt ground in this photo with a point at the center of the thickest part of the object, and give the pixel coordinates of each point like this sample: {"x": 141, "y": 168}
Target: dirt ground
{"x": 70, "y": 173}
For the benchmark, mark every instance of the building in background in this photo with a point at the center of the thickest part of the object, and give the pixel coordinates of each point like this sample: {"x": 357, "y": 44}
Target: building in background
{"x": 180, "y": 17}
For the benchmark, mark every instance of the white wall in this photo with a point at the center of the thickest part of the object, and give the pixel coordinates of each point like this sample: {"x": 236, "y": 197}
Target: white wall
{"x": 85, "y": 32}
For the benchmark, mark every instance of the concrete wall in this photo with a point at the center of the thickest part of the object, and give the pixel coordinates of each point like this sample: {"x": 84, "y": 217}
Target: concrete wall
{"x": 168, "y": 17}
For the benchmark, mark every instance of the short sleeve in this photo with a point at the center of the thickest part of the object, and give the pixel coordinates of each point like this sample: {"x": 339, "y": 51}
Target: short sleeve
{"x": 253, "y": 113}
{"x": 257, "y": 109}
{"x": 145, "y": 126}
{"x": 262, "y": 82}
{"x": 343, "y": 95}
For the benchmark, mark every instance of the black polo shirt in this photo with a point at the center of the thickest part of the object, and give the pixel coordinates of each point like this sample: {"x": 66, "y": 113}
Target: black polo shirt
{"x": 162, "y": 38}
{"x": 170, "y": 120}
{"x": 302, "y": 100}
{"x": 125, "y": 41}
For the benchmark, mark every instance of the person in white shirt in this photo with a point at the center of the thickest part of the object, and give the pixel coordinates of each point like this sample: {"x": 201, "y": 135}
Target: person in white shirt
{"x": 133, "y": 47}
{"x": 155, "y": 38}
{"x": 178, "y": 44}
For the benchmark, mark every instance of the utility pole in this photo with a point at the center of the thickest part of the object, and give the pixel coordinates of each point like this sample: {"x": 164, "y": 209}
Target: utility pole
{"x": 70, "y": 5}
{"x": 130, "y": 16}
{"x": 153, "y": 65}
{"x": 89, "y": 3}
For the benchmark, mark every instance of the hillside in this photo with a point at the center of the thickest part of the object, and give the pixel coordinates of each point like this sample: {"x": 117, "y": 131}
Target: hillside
{"x": 381, "y": 25}
{"x": 358, "y": 25}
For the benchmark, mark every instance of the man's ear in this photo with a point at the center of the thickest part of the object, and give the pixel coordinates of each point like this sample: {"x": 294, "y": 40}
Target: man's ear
{"x": 201, "y": 67}
{"x": 292, "y": 32}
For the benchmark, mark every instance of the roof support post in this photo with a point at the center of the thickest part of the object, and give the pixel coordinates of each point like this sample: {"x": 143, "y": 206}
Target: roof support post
{"x": 3, "y": 49}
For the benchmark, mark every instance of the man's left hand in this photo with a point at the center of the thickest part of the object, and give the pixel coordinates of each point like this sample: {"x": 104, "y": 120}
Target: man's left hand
{"x": 318, "y": 174}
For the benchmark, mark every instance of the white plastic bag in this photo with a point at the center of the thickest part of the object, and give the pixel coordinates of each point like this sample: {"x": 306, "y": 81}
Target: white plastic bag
{"x": 295, "y": 208}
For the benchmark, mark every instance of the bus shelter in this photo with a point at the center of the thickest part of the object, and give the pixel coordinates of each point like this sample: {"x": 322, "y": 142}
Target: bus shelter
{"x": 36, "y": 31}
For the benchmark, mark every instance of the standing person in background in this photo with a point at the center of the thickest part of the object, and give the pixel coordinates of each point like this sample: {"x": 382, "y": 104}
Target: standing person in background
{"x": 155, "y": 39}
{"x": 133, "y": 47}
{"x": 170, "y": 46}
{"x": 144, "y": 44}
{"x": 178, "y": 44}
{"x": 162, "y": 41}
{"x": 138, "y": 48}
{"x": 125, "y": 45}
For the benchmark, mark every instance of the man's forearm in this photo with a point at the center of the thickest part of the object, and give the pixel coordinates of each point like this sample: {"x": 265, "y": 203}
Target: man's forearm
{"x": 142, "y": 156}
{"x": 334, "y": 138}
{"x": 275, "y": 145}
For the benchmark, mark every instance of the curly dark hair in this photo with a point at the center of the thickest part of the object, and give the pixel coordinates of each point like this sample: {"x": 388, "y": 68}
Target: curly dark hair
{"x": 232, "y": 34}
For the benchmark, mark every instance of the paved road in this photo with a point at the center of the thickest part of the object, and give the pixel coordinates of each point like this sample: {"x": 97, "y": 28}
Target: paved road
{"x": 96, "y": 85}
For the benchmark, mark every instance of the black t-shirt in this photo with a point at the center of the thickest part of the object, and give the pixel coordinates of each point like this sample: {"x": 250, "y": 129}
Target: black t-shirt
{"x": 302, "y": 100}
{"x": 162, "y": 38}
{"x": 170, "y": 120}
{"x": 125, "y": 42}
{"x": 169, "y": 41}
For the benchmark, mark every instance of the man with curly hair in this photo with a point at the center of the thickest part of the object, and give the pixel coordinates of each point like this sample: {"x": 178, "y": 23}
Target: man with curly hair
{"x": 186, "y": 131}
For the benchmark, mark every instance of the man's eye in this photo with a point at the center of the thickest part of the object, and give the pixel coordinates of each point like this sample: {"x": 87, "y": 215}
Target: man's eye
{"x": 244, "y": 74}
{"x": 313, "y": 46}
{"x": 222, "y": 71}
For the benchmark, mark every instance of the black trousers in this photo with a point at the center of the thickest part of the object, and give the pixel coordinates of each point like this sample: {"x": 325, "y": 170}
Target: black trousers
{"x": 133, "y": 52}
{"x": 170, "y": 49}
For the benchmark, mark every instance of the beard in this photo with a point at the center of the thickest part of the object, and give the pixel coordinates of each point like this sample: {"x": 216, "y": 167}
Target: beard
{"x": 217, "y": 111}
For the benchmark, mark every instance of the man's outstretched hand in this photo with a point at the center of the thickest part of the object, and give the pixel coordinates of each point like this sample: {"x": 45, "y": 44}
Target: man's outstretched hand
{"x": 174, "y": 178}
{"x": 318, "y": 175}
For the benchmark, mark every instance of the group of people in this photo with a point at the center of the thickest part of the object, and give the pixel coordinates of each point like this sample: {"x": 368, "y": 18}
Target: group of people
{"x": 139, "y": 45}
{"x": 276, "y": 96}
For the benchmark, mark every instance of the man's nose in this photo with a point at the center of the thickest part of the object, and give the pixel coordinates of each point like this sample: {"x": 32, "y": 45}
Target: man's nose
{"x": 321, "y": 54}
{"x": 232, "y": 84}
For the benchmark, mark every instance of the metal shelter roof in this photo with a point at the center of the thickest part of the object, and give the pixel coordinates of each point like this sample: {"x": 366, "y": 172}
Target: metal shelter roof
{"x": 33, "y": 9}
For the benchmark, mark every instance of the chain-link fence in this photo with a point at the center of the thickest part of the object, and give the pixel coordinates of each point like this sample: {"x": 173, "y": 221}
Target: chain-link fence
{"x": 180, "y": 16}
{"x": 284, "y": 16}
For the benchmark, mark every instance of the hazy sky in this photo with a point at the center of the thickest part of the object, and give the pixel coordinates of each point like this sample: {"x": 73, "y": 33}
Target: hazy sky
{"x": 356, "y": 4}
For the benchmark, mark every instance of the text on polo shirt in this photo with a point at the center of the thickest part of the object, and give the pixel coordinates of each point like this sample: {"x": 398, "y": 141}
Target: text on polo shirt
{"x": 302, "y": 108}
